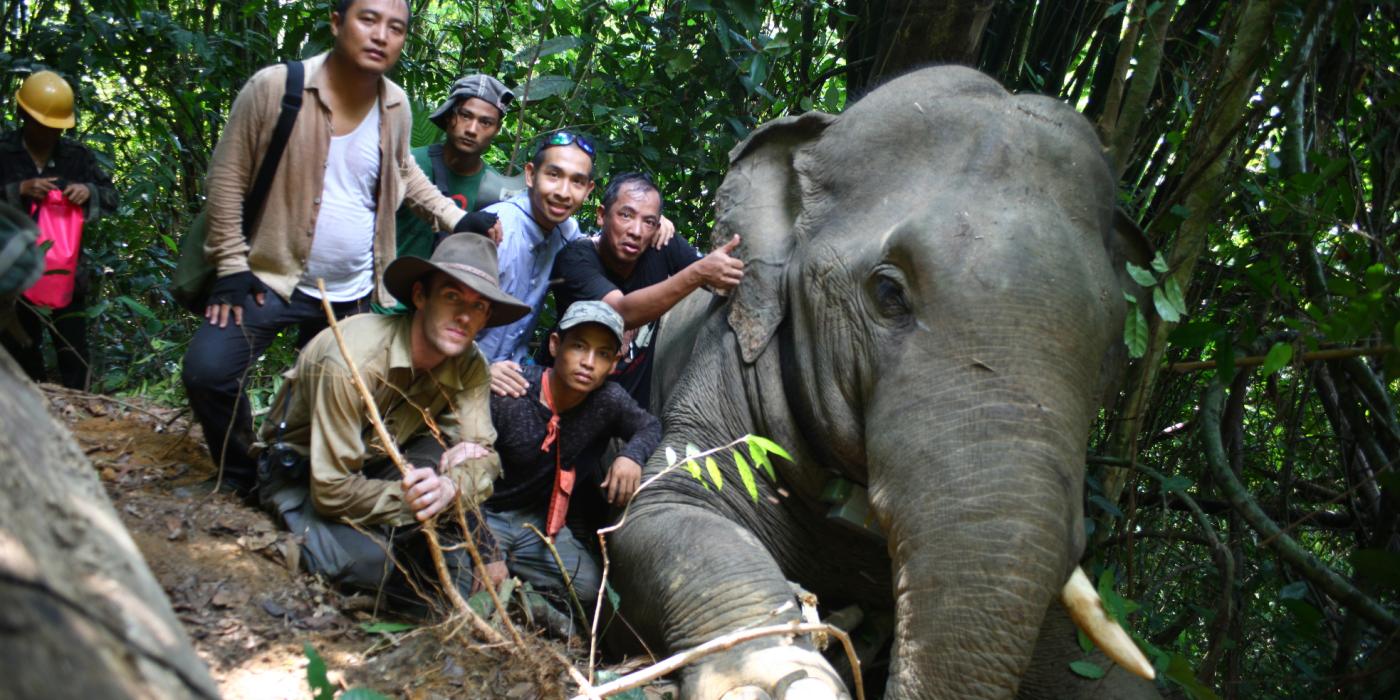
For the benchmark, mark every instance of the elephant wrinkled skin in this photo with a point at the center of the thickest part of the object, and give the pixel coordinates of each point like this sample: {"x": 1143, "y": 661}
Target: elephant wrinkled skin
{"x": 931, "y": 308}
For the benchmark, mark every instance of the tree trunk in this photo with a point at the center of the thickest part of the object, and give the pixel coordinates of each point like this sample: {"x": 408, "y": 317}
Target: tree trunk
{"x": 80, "y": 613}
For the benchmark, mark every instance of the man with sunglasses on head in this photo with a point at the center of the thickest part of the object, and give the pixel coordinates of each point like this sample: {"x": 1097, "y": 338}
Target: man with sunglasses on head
{"x": 535, "y": 226}
{"x": 471, "y": 118}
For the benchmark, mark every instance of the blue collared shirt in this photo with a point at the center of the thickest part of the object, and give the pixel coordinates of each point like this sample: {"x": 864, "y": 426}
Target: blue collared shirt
{"x": 526, "y": 257}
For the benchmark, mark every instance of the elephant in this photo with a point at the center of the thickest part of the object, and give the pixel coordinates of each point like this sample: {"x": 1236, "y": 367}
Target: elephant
{"x": 930, "y": 313}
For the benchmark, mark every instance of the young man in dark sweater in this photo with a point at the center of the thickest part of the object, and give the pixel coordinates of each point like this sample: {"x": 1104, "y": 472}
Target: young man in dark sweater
{"x": 541, "y": 436}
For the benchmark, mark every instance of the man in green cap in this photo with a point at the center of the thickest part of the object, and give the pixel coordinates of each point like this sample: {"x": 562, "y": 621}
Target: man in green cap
{"x": 470, "y": 117}
{"x": 322, "y": 470}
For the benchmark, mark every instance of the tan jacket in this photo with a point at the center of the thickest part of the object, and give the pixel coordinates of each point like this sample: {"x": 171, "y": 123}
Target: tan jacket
{"x": 282, "y": 237}
{"x": 326, "y": 419}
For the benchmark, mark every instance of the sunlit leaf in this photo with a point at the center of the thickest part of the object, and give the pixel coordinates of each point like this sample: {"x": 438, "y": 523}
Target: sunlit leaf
{"x": 1279, "y": 356}
{"x": 1165, "y": 310}
{"x": 1135, "y": 332}
{"x": 770, "y": 446}
{"x": 715, "y": 477}
{"x": 548, "y": 47}
{"x": 545, "y": 86}
{"x": 386, "y": 627}
{"x": 745, "y": 475}
{"x": 670, "y": 456}
{"x": 321, "y": 688}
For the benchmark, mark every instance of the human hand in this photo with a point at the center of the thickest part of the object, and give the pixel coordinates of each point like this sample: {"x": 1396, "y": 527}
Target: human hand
{"x": 624, "y": 477}
{"x": 459, "y": 453}
{"x": 226, "y": 298}
{"x": 720, "y": 270}
{"x": 664, "y": 232}
{"x": 507, "y": 379}
{"x": 77, "y": 193}
{"x": 427, "y": 493}
{"x": 482, "y": 222}
{"x": 37, "y": 187}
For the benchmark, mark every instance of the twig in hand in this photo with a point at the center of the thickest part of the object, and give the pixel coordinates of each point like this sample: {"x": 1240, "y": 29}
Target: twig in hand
{"x": 718, "y": 644}
{"x": 482, "y": 629}
{"x": 564, "y": 570}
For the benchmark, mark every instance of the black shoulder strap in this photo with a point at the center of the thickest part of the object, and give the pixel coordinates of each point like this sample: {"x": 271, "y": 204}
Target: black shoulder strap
{"x": 291, "y": 104}
{"x": 439, "y": 169}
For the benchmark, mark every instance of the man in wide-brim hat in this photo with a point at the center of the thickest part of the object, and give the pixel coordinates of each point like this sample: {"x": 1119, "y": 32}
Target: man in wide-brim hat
{"x": 321, "y": 470}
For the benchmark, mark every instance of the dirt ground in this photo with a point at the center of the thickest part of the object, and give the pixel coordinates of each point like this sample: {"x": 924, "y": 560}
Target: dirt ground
{"x": 232, "y": 579}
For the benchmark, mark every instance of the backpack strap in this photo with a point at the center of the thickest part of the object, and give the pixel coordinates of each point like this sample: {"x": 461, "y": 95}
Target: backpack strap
{"x": 291, "y": 105}
{"x": 439, "y": 169}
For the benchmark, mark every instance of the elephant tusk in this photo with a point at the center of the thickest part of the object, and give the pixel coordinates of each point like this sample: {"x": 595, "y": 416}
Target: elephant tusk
{"x": 1086, "y": 609}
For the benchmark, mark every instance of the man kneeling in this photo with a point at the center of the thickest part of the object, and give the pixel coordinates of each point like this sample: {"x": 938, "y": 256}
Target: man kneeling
{"x": 324, "y": 472}
{"x": 564, "y": 411}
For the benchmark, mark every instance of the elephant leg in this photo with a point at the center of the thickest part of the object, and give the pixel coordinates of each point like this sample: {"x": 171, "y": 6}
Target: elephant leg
{"x": 686, "y": 575}
{"x": 1049, "y": 675}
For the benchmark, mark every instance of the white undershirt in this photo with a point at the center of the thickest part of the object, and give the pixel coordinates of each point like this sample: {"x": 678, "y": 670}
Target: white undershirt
{"x": 342, "y": 250}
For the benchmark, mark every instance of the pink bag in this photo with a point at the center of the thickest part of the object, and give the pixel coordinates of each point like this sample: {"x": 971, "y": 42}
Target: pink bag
{"x": 60, "y": 221}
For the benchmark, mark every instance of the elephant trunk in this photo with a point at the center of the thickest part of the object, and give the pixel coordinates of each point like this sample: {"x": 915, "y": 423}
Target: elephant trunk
{"x": 987, "y": 542}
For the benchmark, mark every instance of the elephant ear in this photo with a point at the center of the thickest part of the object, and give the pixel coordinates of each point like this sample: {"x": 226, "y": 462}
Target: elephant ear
{"x": 761, "y": 200}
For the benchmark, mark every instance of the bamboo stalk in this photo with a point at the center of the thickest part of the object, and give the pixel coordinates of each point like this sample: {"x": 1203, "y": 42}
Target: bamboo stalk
{"x": 483, "y": 630}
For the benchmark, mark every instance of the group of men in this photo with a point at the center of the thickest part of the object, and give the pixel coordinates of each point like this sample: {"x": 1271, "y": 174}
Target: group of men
{"x": 477, "y": 414}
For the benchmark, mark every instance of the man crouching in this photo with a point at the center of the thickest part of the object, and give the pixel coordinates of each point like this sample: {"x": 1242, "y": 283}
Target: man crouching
{"x": 431, "y": 386}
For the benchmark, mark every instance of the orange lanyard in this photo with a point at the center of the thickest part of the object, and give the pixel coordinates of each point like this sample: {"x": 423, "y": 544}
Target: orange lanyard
{"x": 563, "y": 478}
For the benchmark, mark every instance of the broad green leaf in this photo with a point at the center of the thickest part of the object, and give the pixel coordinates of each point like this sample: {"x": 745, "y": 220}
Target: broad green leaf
{"x": 321, "y": 688}
{"x": 1085, "y": 643}
{"x": 480, "y": 603}
{"x": 1179, "y": 671}
{"x": 1378, "y": 565}
{"x": 1135, "y": 332}
{"x": 386, "y": 627}
{"x": 670, "y": 456}
{"x": 715, "y": 476}
{"x": 1140, "y": 275}
{"x": 1164, "y": 308}
{"x": 1087, "y": 669}
{"x": 770, "y": 446}
{"x": 694, "y": 468}
{"x": 1159, "y": 263}
{"x": 760, "y": 458}
{"x": 1279, "y": 355}
{"x": 1172, "y": 289}
{"x": 545, "y": 86}
{"x": 548, "y": 47}
{"x": 746, "y": 475}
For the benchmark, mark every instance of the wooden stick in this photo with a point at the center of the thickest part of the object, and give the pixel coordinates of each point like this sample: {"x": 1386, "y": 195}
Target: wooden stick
{"x": 1315, "y": 356}
{"x": 718, "y": 644}
{"x": 483, "y": 630}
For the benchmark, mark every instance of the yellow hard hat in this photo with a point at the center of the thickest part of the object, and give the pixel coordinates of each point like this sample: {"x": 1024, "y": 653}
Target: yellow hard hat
{"x": 47, "y": 98}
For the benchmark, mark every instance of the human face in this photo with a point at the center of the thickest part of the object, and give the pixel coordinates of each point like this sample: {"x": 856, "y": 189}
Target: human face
{"x": 629, "y": 225}
{"x": 371, "y": 33}
{"x": 449, "y": 316}
{"x": 474, "y": 123}
{"x": 559, "y": 185}
{"x": 584, "y": 356}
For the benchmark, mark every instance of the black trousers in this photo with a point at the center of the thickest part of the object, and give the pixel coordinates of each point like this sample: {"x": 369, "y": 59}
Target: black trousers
{"x": 67, "y": 327}
{"x": 217, "y": 365}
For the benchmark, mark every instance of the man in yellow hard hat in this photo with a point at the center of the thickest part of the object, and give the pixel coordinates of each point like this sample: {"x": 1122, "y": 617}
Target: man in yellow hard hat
{"x": 33, "y": 161}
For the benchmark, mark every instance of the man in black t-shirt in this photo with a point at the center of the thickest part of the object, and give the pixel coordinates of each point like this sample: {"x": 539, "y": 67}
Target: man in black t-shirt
{"x": 621, "y": 268}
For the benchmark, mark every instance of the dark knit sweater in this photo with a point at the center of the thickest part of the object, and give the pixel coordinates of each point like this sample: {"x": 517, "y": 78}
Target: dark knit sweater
{"x": 527, "y": 473}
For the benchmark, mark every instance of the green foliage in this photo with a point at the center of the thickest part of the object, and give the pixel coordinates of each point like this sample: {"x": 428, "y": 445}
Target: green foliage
{"x": 759, "y": 449}
{"x": 321, "y": 686}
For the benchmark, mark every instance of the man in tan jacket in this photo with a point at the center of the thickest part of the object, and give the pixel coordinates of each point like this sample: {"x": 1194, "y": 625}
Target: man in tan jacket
{"x": 346, "y": 162}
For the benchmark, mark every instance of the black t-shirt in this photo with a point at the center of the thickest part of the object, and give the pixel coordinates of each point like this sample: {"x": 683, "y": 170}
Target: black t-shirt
{"x": 579, "y": 274}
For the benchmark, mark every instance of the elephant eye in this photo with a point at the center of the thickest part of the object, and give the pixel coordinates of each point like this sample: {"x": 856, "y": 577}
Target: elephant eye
{"x": 887, "y": 289}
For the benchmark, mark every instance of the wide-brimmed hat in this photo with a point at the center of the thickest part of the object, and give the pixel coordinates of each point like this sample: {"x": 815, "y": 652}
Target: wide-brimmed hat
{"x": 469, "y": 258}
{"x": 599, "y": 312}
{"x": 483, "y": 86}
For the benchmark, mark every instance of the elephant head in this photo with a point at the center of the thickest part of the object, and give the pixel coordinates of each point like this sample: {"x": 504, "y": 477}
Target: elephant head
{"x": 935, "y": 269}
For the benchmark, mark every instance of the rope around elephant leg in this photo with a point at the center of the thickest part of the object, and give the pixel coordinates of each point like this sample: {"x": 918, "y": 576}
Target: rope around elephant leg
{"x": 677, "y": 661}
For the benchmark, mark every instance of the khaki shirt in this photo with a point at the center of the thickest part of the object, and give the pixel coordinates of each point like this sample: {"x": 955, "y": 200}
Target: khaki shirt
{"x": 282, "y": 238}
{"x": 326, "y": 419}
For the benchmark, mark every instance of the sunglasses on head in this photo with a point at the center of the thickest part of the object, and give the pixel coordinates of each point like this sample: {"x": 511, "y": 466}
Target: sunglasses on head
{"x": 564, "y": 138}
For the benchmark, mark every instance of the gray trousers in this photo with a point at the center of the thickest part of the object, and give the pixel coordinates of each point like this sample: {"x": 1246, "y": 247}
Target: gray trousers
{"x": 528, "y": 557}
{"x": 384, "y": 560}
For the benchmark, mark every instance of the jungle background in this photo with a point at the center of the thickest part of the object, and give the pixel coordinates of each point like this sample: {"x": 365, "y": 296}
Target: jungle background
{"x": 1243, "y": 507}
